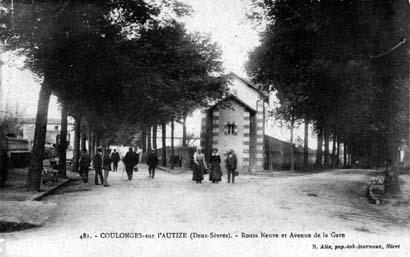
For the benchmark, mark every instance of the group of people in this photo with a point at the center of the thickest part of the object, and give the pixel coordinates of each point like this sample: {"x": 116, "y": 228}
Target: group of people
{"x": 215, "y": 171}
{"x": 102, "y": 165}
{"x": 102, "y": 162}
{"x": 131, "y": 159}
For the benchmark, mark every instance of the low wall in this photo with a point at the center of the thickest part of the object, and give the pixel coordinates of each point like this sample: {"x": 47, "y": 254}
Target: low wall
{"x": 17, "y": 144}
{"x": 277, "y": 155}
{"x": 19, "y": 159}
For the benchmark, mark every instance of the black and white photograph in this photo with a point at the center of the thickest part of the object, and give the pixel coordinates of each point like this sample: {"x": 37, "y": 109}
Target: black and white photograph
{"x": 204, "y": 128}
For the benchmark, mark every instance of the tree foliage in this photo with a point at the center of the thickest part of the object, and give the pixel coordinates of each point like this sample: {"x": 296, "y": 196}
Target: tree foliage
{"x": 344, "y": 64}
{"x": 113, "y": 64}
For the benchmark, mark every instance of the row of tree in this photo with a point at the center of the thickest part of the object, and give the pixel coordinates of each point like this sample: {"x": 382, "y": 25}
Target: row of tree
{"x": 117, "y": 67}
{"x": 343, "y": 66}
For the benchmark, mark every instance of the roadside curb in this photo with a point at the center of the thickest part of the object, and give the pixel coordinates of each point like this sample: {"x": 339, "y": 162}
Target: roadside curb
{"x": 50, "y": 191}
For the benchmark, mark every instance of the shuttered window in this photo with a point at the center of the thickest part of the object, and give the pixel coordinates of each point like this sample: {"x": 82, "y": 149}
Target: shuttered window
{"x": 231, "y": 128}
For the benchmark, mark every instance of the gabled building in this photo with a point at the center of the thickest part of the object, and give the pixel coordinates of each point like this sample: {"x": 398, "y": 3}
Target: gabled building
{"x": 237, "y": 122}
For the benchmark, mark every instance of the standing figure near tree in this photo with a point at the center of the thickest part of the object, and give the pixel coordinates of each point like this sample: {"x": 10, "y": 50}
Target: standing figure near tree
{"x": 130, "y": 160}
{"x": 85, "y": 161}
{"x": 200, "y": 166}
{"x": 115, "y": 157}
{"x": 231, "y": 164}
{"x": 152, "y": 162}
{"x": 106, "y": 166}
{"x": 216, "y": 171}
{"x": 97, "y": 163}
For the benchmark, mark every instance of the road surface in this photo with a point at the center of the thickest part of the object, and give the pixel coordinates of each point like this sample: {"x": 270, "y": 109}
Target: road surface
{"x": 91, "y": 220}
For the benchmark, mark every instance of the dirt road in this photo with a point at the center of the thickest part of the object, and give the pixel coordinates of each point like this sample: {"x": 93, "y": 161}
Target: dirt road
{"x": 260, "y": 216}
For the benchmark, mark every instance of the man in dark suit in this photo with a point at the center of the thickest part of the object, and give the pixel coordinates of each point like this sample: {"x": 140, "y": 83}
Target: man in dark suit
{"x": 231, "y": 164}
{"x": 130, "y": 160}
{"x": 152, "y": 162}
{"x": 115, "y": 157}
{"x": 97, "y": 164}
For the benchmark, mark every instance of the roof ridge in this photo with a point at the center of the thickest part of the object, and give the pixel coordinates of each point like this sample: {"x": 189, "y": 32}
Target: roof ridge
{"x": 247, "y": 82}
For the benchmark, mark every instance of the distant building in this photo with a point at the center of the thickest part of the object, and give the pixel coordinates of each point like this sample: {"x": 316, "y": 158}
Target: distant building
{"x": 53, "y": 130}
{"x": 237, "y": 122}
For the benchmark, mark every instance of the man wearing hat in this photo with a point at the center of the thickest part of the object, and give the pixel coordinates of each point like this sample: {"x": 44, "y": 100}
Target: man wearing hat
{"x": 231, "y": 164}
{"x": 130, "y": 160}
{"x": 97, "y": 163}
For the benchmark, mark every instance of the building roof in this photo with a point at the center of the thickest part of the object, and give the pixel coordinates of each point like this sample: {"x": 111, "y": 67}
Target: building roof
{"x": 248, "y": 83}
{"x": 236, "y": 99}
{"x": 262, "y": 95}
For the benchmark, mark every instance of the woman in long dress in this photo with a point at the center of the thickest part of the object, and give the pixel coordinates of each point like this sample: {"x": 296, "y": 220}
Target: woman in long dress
{"x": 216, "y": 171}
{"x": 200, "y": 166}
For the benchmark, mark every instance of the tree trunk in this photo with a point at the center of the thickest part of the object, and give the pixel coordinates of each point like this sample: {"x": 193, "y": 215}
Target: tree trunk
{"x": 184, "y": 143}
{"x": 154, "y": 137}
{"x": 319, "y": 151}
{"x": 62, "y": 153}
{"x": 83, "y": 140}
{"x": 326, "y": 154}
{"x": 143, "y": 141}
{"x": 391, "y": 178}
{"x": 292, "y": 157}
{"x": 98, "y": 140}
{"x": 143, "y": 144}
{"x": 164, "y": 143}
{"x": 90, "y": 151}
{"x": 338, "y": 153}
{"x": 93, "y": 143}
{"x": 149, "y": 148}
{"x": 37, "y": 154}
{"x": 306, "y": 145}
{"x": 344, "y": 155}
{"x": 172, "y": 144}
{"x": 333, "y": 159}
{"x": 76, "y": 150}
{"x": 3, "y": 157}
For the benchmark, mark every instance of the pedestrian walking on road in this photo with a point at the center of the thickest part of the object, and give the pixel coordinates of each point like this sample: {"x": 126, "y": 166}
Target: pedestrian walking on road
{"x": 130, "y": 160}
{"x": 85, "y": 161}
{"x": 152, "y": 162}
{"x": 115, "y": 157}
{"x": 231, "y": 164}
{"x": 216, "y": 172}
{"x": 199, "y": 166}
{"x": 106, "y": 166}
{"x": 97, "y": 164}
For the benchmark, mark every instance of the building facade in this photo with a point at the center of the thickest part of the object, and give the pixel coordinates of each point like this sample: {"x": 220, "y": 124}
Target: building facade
{"x": 237, "y": 122}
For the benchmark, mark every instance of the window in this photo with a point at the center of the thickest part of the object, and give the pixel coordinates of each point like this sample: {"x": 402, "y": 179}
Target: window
{"x": 231, "y": 128}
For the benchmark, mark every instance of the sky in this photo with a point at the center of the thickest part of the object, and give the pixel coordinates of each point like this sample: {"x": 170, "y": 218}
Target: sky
{"x": 225, "y": 21}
